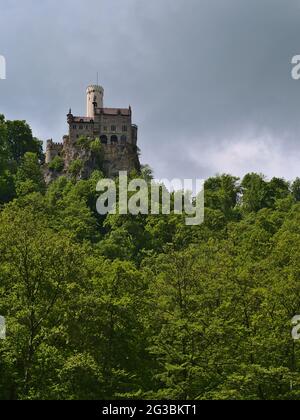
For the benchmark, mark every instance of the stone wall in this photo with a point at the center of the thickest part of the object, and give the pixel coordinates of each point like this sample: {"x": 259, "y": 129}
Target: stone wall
{"x": 53, "y": 150}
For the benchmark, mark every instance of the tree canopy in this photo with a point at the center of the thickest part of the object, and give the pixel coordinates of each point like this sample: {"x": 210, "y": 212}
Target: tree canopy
{"x": 145, "y": 307}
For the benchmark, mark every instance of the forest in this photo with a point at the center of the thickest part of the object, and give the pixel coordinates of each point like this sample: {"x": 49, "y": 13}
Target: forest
{"x": 145, "y": 307}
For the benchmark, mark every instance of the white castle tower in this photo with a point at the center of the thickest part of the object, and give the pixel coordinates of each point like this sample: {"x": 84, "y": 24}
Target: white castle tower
{"x": 94, "y": 97}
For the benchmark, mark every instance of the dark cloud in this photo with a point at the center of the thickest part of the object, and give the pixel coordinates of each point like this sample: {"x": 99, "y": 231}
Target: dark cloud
{"x": 209, "y": 80}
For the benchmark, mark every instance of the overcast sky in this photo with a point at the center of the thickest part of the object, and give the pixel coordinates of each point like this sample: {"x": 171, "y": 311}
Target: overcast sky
{"x": 209, "y": 81}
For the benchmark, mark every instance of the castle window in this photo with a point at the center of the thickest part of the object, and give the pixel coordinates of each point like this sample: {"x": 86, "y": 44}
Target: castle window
{"x": 124, "y": 128}
{"x": 105, "y": 128}
{"x": 114, "y": 139}
{"x": 75, "y": 126}
{"x": 104, "y": 139}
{"x": 113, "y": 128}
{"x": 123, "y": 139}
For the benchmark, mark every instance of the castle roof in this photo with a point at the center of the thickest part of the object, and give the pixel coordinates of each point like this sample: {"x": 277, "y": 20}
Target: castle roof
{"x": 82, "y": 119}
{"x": 116, "y": 111}
{"x": 125, "y": 112}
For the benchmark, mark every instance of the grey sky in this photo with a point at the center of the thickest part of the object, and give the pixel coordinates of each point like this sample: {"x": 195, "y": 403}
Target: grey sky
{"x": 209, "y": 80}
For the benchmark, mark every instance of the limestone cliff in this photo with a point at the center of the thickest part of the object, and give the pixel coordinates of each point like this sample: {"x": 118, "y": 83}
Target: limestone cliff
{"x": 79, "y": 160}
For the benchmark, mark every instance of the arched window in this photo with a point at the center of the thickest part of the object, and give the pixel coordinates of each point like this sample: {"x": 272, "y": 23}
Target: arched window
{"x": 103, "y": 139}
{"x": 114, "y": 139}
{"x": 123, "y": 140}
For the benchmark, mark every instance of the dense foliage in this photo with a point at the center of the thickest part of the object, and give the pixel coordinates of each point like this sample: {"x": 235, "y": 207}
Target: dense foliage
{"x": 145, "y": 306}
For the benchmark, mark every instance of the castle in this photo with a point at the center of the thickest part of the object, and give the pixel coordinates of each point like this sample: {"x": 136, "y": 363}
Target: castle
{"x": 114, "y": 129}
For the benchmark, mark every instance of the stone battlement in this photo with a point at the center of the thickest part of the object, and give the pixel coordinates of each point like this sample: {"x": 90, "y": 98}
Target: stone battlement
{"x": 52, "y": 145}
{"x": 52, "y": 150}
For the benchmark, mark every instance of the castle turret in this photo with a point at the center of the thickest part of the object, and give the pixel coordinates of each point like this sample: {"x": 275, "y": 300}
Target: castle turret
{"x": 52, "y": 150}
{"x": 94, "y": 97}
{"x": 70, "y": 116}
{"x": 48, "y": 151}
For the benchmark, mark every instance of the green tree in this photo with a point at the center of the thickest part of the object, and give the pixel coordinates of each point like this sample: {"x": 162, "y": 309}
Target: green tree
{"x": 57, "y": 164}
{"x": 29, "y": 177}
{"x": 6, "y": 180}
{"x": 75, "y": 167}
{"x": 38, "y": 270}
{"x": 222, "y": 193}
{"x": 254, "y": 190}
{"x": 296, "y": 189}
{"x": 20, "y": 141}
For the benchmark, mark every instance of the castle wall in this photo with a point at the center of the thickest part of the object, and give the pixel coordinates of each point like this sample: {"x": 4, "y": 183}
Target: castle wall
{"x": 103, "y": 125}
{"x": 78, "y": 129}
{"x": 121, "y": 125}
{"x": 52, "y": 150}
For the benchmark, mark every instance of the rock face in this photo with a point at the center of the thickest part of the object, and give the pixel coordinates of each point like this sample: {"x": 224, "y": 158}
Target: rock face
{"x": 50, "y": 175}
{"x": 80, "y": 161}
{"x": 104, "y": 140}
{"x": 120, "y": 158}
